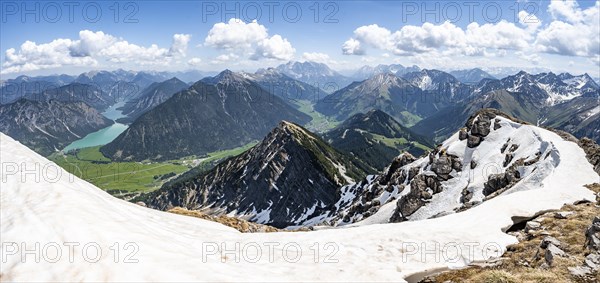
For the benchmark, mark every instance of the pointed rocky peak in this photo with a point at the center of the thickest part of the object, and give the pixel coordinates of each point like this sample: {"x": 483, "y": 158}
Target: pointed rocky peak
{"x": 288, "y": 131}
{"x": 226, "y": 77}
{"x": 282, "y": 180}
{"x": 226, "y": 74}
{"x": 174, "y": 80}
{"x": 522, "y": 73}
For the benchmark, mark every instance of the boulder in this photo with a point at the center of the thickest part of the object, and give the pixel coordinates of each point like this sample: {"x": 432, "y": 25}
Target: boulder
{"x": 466, "y": 195}
{"x": 473, "y": 141}
{"x": 497, "y": 124}
{"x": 456, "y": 164}
{"x": 532, "y": 225}
{"x": 553, "y": 251}
{"x": 481, "y": 126}
{"x": 442, "y": 165}
{"x": 494, "y": 183}
{"x": 513, "y": 148}
{"x": 592, "y": 235}
{"x": 462, "y": 134}
{"x": 549, "y": 240}
{"x": 580, "y": 271}
{"x": 593, "y": 261}
{"x": 497, "y": 182}
{"x": 412, "y": 172}
{"x": 422, "y": 188}
{"x": 394, "y": 171}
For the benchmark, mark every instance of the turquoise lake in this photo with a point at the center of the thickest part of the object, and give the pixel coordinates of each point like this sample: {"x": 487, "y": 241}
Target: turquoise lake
{"x": 103, "y": 136}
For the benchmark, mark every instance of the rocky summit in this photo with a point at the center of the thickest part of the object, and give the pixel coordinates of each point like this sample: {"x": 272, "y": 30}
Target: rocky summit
{"x": 493, "y": 155}
{"x": 289, "y": 177}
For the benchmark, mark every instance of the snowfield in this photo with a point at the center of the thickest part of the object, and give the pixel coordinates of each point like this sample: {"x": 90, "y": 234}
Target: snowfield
{"x": 64, "y": 214}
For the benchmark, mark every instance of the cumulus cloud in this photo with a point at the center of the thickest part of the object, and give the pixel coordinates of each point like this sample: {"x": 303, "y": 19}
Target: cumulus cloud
{"x": 502, "y": 35}
{"x": 411, "y": 40}
{"x": 275, "y": 47}
{"x": 374, "y": 36}
{"x": 574, "y": 33}
{"x": 530, "y": 21}
{"x": 316, "y": 57}
{"x": 571, "y": 31}
{"x": 352, "y": 47}
{"x": 180, "y": 44}
{"x": 252, "y": 38}
{"x": 565, "y": 10}
{"x": 88, "y": 50}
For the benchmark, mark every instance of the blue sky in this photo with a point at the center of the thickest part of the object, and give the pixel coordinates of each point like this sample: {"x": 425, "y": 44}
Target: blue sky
{"x": 559, "y": 36}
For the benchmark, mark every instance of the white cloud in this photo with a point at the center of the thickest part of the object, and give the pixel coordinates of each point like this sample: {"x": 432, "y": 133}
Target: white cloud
{"x": 224, "y": 58}
{"x": 502, "y": 35}
{"x": 194, "y": 61}
{"x": 573, "y": 32}
{"x": 235, "y": 34}
{"x": 410, "y": 40}
{"x": 32, "y": 56}
{"x": 418, "y": 39}
{"x": 374, "y": 36}
{"x": 565, "y": 10}
{"x": 251, "y": 38}
{"x": 316, "y": 57}
{"x": 352, "y": 47}
{"x": 180, "y": 44}
{"x": 578, "y": 35}
{"x": 530, "y": 21}
{"x": 88, "y": 50}
{"x": 275, "y": 47}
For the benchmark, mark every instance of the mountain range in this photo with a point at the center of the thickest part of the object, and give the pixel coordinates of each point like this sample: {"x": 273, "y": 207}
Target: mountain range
{"x": 152, "y": 96}
{"x": 293, "y": 178}
{"x": 408, "y": 99}
{"x": 367, "y": 71}
{"x": 375, "y": 138}
{"x": 285, "y": 179}
{"x": 49, "y": 126}
{"x": 562, "y": 101}
{"x": 418, "y": 99}
{"x": 291, "y": 90}
{"x": 315, "y": 74}
{"x": 229, "y": 112}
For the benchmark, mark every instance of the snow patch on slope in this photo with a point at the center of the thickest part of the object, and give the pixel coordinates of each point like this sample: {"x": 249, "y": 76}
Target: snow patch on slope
{"x": 174, "y": 247}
